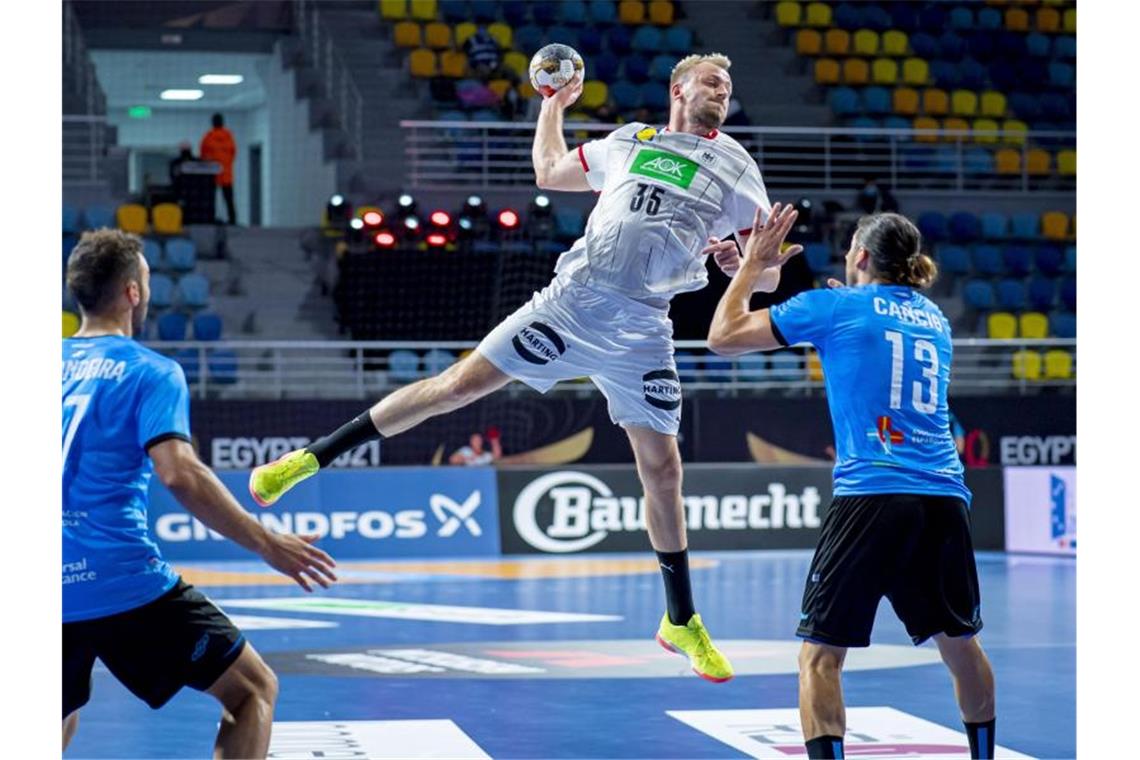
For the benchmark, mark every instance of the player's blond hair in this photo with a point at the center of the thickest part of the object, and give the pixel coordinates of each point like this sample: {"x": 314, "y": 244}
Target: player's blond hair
{"x": 686, "y": 64}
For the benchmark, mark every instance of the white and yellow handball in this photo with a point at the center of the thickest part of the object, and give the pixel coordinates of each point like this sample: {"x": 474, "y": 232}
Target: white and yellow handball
{"x": 554, "y": 66}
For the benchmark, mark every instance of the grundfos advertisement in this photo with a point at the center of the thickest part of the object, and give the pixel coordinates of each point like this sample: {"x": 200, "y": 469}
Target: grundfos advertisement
{"x": 1041, "y": 510}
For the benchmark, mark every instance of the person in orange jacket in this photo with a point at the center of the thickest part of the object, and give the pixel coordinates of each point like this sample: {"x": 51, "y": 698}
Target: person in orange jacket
{"x": 218, "y": 145}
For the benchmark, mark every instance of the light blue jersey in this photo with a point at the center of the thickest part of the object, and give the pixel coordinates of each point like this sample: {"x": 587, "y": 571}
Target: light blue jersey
{"x": 119, "y": 399}
{"x": 886, "y": 355}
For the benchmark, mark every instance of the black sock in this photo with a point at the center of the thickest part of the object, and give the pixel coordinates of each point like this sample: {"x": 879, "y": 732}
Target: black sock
{"x": 981, "y": 739}
{"x": 348, "y": 436}
{"x": 825, "y": 747}
{"x": 678, "y": 591}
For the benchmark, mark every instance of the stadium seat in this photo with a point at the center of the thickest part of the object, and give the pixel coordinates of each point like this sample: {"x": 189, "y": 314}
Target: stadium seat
{"x": 1058, "y": 365}
{"x": 1015, "y": 131}
{"x": 1057, "y": 107}
{"x": 835, "y": 41}
{"x": 978, "y": 161}
{"x": 661, "y": 12}
{"x": 194, "y": 291}
{"x": 603, "y": 12}
{"x": 636, "y": 68}
{"x": 925, "y": 46}
{"x": 952, "y": 45}
{"x": 847, "y": 16}
{"x": 423, "y": 10}
{"x": 453, "y": 64}
{"x": 131, "y": 217}
{"x": 984, "y": 131}
{"x": 865, "y": 42}
{"x": 654, "y": 96}
{"x": 925, "y": 123}
{"x": 978, "y": 295}
{"x": 808, "y": 42}
{"x": 896, "y": 122}
{"x": 1055, "y": 225}
{"x": 544, "y": 13}
{"x": 915, "y": 71}
{"x": 161, "y": 291}
{"x": 1007, "y": 161}
{"x": 437, "y": 36}
{"x": 988, "y": 260}
{"x": 572, "y": 12}
{"x": 589, "y": 41}
{"x": 423, "y": 63}
{"x": 1033, "y": 325}
{"x": 661, "y": 67}
{"x": 518, "y": 63}
{"x": 222, "y": 366}
{"x": 626, "y": 94}
{"x": 1065, "y": 46}
{"x": 407, "y": 34}
{"x": 826, "y": 71}
{"x": 1018, "y": 260}
{"x": 1050, "y": 259}
{"x": 1011, "y": 294}
{"x": 404, "y": 365}
{"x": 189, "y": 360}
{"x": 71, "y": 221}
{"x": 876, "y": 101}
{"x": 961, "y": 18}
{"x": 1064, "y": 324}
{"x": 501, "y": 86}
{"x": 856, "y": 71}
{"x": 1048, "y": 20}
{"x": 894, "y": 43}
{"x": 172, "y": 326}
{"x": 884, "y": 71}
{"x": 633, "y": 12}
{"x": 993, "y": 104}
{"x": 1027, "y": 365}
{"x": 971, "y": 74}
{"x": 875, "y": 17}
{"x": 98, "y": 216}
{"x": 843, "y": 101}
{"x": 953, "y": 260}
{"x": 1069, "y": 22}
{"x": 393, "y": 10}
{"x": 989, "y": 18}
{"x": 207, "y": 326}
{"x": 688, "y": 366}
{"x": 1070, "y": 265}
{"x": 964, "y": 227}
{"x": 1069, "y": 292}
{"x": 437, "y": 360}
{"x": 1016, "y": 20}
{"x": 1062, "y": 75}
{"x": 152, "y": 252}
{"x": 785, "y": 366}
{"x": 594, "y": 94}
{"x": 904, "y": 101}
{"x": 647, "y": 39}
{"x": 935, "y": 102}
{"x": 1038, "y": 45}
{"x": 933, "y": 226}
{"x": 1038, "y": 162}
{"x": 501, "y": 33}
{"x": 751, "y": 367}
{"x": 69, "y": 242}
{"x": 167, "y": 219}
{"x": 1001, "y": 325}
{"x": 70, "y": 323}
{"x": 818, "y": 257}
{"x": 1042, "y": 293}
{"x": 817, "y": 14}
{"x": 180, "y": 255}
{"x": 814, "y": 367}
{"x": 678, "y": 40}
{"x": 467, "y": 29}
{"x": 964, "y": 103}
{"x": 454, "y": 11}
{"x": 995, "y": 225}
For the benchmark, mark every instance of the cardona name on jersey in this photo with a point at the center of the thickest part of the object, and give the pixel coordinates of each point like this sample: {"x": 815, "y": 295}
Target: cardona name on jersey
{"x": 95, "y": 368}
{"x": 908, "y": 314}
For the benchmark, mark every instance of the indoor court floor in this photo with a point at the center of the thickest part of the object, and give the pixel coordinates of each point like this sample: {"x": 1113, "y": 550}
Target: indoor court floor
{"x": 552, "y": 657}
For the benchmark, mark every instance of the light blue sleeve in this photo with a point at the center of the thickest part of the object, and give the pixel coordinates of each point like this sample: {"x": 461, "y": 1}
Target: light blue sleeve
{"x": 807, "y": 317}
{"x": 164, "y": 409}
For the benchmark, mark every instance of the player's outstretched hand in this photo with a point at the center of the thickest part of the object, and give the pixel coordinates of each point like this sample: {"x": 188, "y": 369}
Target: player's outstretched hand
{"x": 296, "y": 557}
{"x": 569, "y": 93}
{"x": 763, "y": 247}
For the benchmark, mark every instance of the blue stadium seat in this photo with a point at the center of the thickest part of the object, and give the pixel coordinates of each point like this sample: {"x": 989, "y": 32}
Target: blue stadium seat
{"x": 1037, "y": 45}
{"x": 529, "y": 38}
{"x": 876, "y": 18}
{"x": 987, "y": 260}
{"x": 161, "y": 291}
{"x": 995, "y": 225}
{"x": 905, "y": 17}
{"x": 818, "y": 257}
{"x": 752, "y": 367}
{"x": 954, "y": 259}
{"x": 1070, "y": 265}
{"x": 933, "y": 226}
{"x": 979, "y": 295}
{"x": 636, "y": 69}
{"x": 1069, "y": 292}
{"x": 1024, "y": 226}
{"x": 654, "y": 96}
{"x": 572, "y": 12}
{"x": 678, "y": 40}
{"x": 222, "y": 364}
{"x": 207, "y": 326}
{"x": 717, "y": 369}
{"x": 925, "y": 46}
{"x": 661, "y": 67}
{"x": 786, "y": 366}
{"x": 844, "y": 101}
{"x": 989, "y": 18}
{"x": 961, "y": 18}
{"x": 590, "y": 42}
{"x": 848, "y": 16}
{"x": 152, "y": 252}
{"x": 454, "y": 11}
{"x": 69, "y": 242}
{"x": 1065, "y": 47}
{"x": 603, "y": 11}
{"x": 194, "y": 291}
{"x": 485, "y": 115}
{"x": 564, "y": 34}
{"x": 437, "y": 360}
{"x": 932, "y": 17}
{"x": 404, "y": 365}
{"x": 618, "y": 39}
{"x": 971, "y": 74}
{"x": 484, "y": 11}
{"x": 99, "y": 216}
{"x": 688, "y": 366}
{"x": 1062, "y": 75}
{"x": 626, "y": 94}
{"x": 1064, "y": 324}
{"x": 180, "y": 255}
{"x": 1042, "y": 293}
{"x": 1056, "y": 107}
{"x": 647, "y": 39}
{"x": 952, "y": 45}
{"x": 1018, "y": 260}
{"x": 544, "y": 13}
{"x": 172, "y": 326}
{"x": 1025, "y": 106}
{"x": 568, "y": 223}
{"x": 515, "y": 13}
{"x": 606, "y": 66}
{"x": 865, "y": 122}
{"x": 981, "y": 46}
{"x": 945, "y": 74}
{"x": 978, "y": 162}
{"x": 901, "y": 122}
{"x": 191, "y": 365}
{"x": 965, "y": 227}
{"x": 1049, "y": 260}
{"x": 877, "y": 101}
{"x": 71, "y": 220}
{"x": 944, "y": 159}
{"x": 1011, "y": 295}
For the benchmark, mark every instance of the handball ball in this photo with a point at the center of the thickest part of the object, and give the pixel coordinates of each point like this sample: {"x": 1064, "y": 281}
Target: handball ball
{"x": 553, "y": 66}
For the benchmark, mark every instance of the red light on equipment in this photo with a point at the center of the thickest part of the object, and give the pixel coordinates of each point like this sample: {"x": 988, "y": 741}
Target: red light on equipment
{"x": 385, "y": 239}
{"x": 437, "y": 239}
{"x": 373, "y": 218}
{"x": 508, "y": 219}
{"x": 440, "y": 218}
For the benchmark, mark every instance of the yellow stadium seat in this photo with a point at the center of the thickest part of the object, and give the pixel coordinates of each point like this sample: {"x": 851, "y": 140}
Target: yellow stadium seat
{"x": 1027, "y": 365}
{"x": 1070, "y": 22}
{"x": 814, "y": 367}
{"x": 463, "y": 31}
{"x": 1007, "y": 161}
{"x": 1015, "y": 130}
{"x": 1033, "y": 325}
{"x": 894, "y": 43}
{"x": 1058, "y": 365}
{"x": 406, "y": 34}
{"x": 837, "y": 41}
{"x": 809, "y": 42}
{"x": 437, "y": 36}
{"x": 904, "y": 101}
{"x": 954, "y": 124}
{"x": 167, "y": 219}
{"x": 393, "y": 10}
{"x": 818, "y": 14}
{"x": 826, "y": 71}
{"x": 1055, "y": 225}
{"x": 131, "y": 217}
{"x": 1017, "y": 20}
{"x": 594, "y": 94}
{"x": 1048, "y": 20}
{"x": 518, "y": 63}
{"x": 993, "y": 104}
{"x": 70, "y": 324}
{"x": 453, "y": 64}
{"x": 1038, "y": 162}
{"x": 866, "y": 43}
{"x": 422, "y": 63}
{"x": 424, "y": 10}
{"x": 915, "y": 71}
{"x": 964, "y": 103}
{"x": 884, "y": 71}
{"x": 1067, "y": 163}
{"x": 661, "y": 13}
{"x": 502, "y": 34}
{"x": 631, "y": 12}
{"x": 502, "y": 86}
{"x": 856, "y": 71}
{"x": 1001, "y": 325}
{"x": 789, "y": 13}
{"x": 526, "y": 90}
{"x": 925, "y": 122}
{"x": 985, "y": 125}
{"x": 935, "y": 102}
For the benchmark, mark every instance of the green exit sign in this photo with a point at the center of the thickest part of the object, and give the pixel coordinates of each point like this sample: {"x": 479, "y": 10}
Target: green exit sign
{"x": 139, "y": 112}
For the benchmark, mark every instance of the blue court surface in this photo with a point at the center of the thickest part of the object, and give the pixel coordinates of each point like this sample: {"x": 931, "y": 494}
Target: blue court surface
{"x": 554, "y": 658}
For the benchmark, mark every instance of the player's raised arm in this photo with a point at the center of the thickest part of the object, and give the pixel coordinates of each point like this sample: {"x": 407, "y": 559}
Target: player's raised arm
{"x": 555, "y": 166}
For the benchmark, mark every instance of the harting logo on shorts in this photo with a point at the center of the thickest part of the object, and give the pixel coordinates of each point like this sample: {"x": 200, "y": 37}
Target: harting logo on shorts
{"x": 538, "y": 343}
{"x": 584, "y": 510}
{"x": 662, "y": 389}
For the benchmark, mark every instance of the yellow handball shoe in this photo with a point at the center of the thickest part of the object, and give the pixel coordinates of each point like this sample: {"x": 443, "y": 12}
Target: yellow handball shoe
{"x": 269, "y": 482}
{"x": 692, "y": 641}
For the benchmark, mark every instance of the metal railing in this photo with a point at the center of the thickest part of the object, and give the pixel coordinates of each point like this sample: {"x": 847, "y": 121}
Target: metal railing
{"x": 85, "y": 140}
{"x": 359, "y": 370}
{"x": 339, "y": 87}
{"x": 461, "y": 154}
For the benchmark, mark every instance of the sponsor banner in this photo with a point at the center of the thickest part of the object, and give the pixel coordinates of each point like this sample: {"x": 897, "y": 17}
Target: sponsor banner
{"x": 393, "y": 512}
{"x": 602, "y": 509}
{"x": 434, "y": 613}
{"x": 872, "y": 732}
{"x": 1041, "y": 510}
{"x": 374, "y": 739}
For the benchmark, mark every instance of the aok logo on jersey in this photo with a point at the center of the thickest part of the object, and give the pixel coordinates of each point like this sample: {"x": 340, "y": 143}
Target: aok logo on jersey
{"x": 667, "y": 167}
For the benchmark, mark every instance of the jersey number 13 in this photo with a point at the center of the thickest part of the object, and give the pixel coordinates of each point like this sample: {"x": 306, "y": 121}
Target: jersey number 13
{"x": 925, "y": 354}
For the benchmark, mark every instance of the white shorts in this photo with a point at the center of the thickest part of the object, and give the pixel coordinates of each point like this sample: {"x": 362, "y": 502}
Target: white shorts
{"x": 568, "y": 331}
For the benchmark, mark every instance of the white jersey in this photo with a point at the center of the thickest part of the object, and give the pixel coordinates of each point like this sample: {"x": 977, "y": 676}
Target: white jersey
{"x": 663, "y": 194}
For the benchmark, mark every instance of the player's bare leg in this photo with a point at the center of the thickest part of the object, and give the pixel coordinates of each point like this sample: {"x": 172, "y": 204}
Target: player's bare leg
{"x": 973, "y": 687}
{"x": 822, "y": 714}
{"x": 70, "y": 724}
{"x": 248, "y": 692}
{"x": 681, "y": 629}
